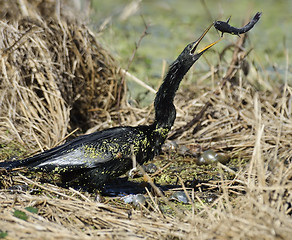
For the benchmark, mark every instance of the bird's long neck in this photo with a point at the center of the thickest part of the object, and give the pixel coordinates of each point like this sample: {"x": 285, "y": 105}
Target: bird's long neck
{"x": 165, "y": 112}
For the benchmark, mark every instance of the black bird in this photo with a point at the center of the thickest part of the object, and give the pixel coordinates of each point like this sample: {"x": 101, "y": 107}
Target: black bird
{"x": 92, "y": 160}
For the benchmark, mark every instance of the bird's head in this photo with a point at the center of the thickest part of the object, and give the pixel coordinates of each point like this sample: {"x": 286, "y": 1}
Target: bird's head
{"x": 190, "y": 54}
{"x": 165, "y": 112}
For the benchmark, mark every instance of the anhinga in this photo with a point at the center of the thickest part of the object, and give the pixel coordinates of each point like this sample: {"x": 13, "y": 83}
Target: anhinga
{"x": 92, "y": 160}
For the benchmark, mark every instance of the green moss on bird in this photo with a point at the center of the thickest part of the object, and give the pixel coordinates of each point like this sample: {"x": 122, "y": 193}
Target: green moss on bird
{"x": 162, "y": 131}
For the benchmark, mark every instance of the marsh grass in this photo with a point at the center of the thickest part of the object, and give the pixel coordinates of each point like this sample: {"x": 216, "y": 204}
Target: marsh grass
{"x": 46, "y": 67}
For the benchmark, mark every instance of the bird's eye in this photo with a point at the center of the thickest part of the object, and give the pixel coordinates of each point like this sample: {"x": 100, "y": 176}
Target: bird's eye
{"x": 189, "y": 48}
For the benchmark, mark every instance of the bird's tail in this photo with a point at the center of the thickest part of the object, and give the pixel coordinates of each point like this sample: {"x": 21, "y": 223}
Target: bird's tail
{"x": 17, "y": 163}
{"x": 9, "y": 165}
{"x": 29, "y": 162}
{"x": 34, "y": 161}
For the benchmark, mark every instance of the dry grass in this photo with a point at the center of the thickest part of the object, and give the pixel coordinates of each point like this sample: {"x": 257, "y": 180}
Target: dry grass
{"x": 50, "y": 67}
{"x": 54, "y": 78}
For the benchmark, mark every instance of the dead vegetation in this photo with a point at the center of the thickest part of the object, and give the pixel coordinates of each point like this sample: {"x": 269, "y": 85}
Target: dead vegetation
{"x": 53, "y": 69}
{"x": 55, "y": 77}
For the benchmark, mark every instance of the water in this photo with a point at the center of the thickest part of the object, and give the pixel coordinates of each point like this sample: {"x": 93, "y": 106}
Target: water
{"x": 173, "y": 24}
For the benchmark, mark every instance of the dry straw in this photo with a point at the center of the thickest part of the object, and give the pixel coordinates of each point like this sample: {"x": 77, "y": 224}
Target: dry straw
{"x": 55, "y": 77}
{"x": 53, "y": 70}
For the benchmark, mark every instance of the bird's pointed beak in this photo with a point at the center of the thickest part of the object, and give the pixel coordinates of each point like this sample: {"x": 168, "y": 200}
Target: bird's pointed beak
{"x": 196, "y": 43}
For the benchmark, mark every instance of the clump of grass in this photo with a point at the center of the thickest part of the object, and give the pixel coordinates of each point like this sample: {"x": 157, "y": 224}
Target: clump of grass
{"x": 55, "y": 77}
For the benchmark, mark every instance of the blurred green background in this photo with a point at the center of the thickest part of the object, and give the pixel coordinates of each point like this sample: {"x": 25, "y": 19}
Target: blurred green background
{"x": 173, "y": 24}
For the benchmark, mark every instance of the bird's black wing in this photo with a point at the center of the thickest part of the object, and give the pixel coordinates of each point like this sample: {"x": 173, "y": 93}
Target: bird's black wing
{"x": 86, "y": 151}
